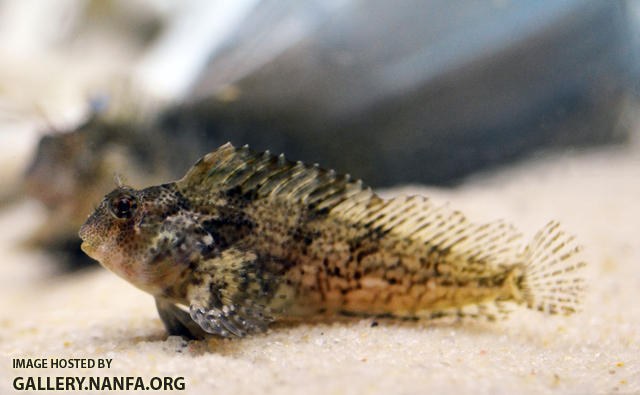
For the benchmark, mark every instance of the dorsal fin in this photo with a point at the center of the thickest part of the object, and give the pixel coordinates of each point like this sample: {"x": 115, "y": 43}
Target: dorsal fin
{"x": 271, "y": 176}
{"x": 412, "y": 218}
{"x": 418, "y": 220}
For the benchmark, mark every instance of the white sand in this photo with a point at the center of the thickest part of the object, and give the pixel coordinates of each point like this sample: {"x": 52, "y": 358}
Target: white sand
{"x": 595, "y": 195}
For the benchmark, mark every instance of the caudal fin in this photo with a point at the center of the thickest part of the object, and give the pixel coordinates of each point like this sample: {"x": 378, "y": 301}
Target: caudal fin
{"x": 552, "y": 282}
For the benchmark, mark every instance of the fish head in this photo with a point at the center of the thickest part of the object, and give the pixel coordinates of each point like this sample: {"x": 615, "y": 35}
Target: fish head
{"x": 133, "y": 233}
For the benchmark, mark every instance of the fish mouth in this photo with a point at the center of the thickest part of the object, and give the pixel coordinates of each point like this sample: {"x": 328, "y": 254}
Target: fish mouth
{"x": 87, "y": 248}
{"x": 94, "y": 251}
{"x": 85, "y": 235}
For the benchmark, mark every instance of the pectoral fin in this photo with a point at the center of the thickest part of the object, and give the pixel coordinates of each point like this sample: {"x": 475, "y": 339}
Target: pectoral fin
{"x": 232, "y": 296}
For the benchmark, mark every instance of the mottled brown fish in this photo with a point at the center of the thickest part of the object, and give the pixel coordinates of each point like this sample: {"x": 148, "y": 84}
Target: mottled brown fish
{"x": 246, "y": 238}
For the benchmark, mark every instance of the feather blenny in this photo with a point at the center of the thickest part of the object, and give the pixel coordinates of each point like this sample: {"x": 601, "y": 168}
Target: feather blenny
{"x": 246, "y": 238}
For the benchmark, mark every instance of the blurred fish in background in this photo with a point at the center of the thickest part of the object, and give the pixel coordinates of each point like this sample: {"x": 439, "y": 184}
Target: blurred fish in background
{"x": 408, "y": 92}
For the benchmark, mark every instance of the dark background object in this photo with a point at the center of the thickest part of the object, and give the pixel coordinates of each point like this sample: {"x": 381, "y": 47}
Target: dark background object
{"x": 423, "y": 92}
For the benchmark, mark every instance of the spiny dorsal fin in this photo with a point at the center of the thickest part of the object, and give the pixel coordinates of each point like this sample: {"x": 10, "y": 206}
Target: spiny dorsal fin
{"x": 271, "y": 176}
{"x": 412, "y": 218}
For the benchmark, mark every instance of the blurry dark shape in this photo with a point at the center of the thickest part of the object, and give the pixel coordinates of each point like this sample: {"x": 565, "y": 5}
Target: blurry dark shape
{"x": 63, "y": 176}
{"x": 428, "y": 92}
{"x": 73, "y": 170}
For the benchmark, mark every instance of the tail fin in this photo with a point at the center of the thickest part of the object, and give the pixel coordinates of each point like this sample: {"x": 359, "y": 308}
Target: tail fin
{"x": 551, "y": 281}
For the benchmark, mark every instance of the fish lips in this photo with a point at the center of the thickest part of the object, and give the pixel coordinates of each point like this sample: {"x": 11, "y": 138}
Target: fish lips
{"x": 86, "y": 234}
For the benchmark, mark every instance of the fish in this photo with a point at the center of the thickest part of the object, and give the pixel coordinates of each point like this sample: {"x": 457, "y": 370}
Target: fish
{"x": 248, "y": 238}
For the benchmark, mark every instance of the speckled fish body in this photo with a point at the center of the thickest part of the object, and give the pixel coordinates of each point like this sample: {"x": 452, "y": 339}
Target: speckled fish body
{"x": 246, "y": 238}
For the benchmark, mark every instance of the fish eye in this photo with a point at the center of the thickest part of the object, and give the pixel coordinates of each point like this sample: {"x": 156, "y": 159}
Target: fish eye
{"x": 123, "y": 206}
